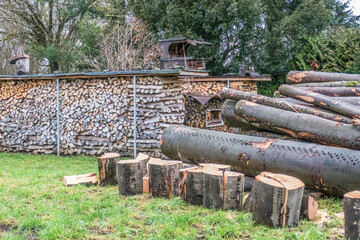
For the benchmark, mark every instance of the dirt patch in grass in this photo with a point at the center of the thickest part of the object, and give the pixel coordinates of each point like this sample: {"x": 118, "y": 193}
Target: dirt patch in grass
{"x": 7, "y": 225}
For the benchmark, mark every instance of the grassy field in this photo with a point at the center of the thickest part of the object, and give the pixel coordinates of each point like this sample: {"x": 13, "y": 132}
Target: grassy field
{"x": 35, "y": 204}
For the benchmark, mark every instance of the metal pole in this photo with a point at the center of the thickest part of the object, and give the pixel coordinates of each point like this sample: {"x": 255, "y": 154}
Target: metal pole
{"x": 135, "y": 117}
{"x": 58, "y": 116}
{"x": 228, "y": 84}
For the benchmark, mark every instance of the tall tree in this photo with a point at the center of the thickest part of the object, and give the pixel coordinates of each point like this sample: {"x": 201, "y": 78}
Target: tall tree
{"x": 50, "y": 26}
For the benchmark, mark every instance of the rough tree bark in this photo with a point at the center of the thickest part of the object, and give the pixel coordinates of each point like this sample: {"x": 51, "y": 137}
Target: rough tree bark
{"x": 164, "y": 178}
{"x": 191, "y": 187}
{"x": 229, "y": 116}
{"x": 301, "y": 126}
{"x": 130, "y": 176}
{"x": 321, "y": 100}
{"x": 280, "y": 103}
{"x": 351, "y": 205}
{"x": 329, "y": 84}
{"x": 107, "y": 169}
{"x": 294, "y": 77}
{"x": 330, "y": 170}
{"x": 334, "y": 91}
{"x": 277, "y": 200}
{"x": 352, "y": 100}
{"x": 223, "y": 189}
{"x": 309, "y": 208}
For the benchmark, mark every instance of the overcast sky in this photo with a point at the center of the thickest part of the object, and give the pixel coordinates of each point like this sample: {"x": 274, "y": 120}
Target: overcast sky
{"x": 355, "y": 4}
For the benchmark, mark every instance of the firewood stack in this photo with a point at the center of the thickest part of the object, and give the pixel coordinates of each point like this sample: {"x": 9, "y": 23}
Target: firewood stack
{"x": 96, "y": 114}
{"x": 310, "y": 112}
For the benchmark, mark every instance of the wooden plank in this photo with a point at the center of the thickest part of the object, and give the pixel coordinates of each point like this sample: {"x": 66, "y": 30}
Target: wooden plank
{"x": 90, "y": 178}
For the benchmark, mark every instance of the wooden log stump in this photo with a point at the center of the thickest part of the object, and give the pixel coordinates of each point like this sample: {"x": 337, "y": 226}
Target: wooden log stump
{"x": 309, "y": 208}
{"x": 277, "y": 200}
{"x": 107, "y": 169}
{"x": 351, "y": 205}
{"x": 215, "y": 166}
{"x": 223, "y": 189}
{"x": 164, "y": 178}
{"x": 191, "y": 188}
{"x": 87, "y": 179}
{"x": 130, "y": 176}
{"x": 250, "y": 201}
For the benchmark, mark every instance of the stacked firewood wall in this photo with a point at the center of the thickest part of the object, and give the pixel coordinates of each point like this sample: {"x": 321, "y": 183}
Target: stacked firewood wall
{"x": 96, "y": 115}
{"x": 196, "y": 113}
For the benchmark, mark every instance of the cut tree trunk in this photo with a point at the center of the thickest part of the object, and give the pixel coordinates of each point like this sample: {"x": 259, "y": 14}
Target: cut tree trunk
{"x": 249, "y": 183}
{"x": 215, "y": 166}
{"x": 301, "y": 126}
{"x": 309, "y": 208}
{"x": 87, "y": 179}
{"x": 277, "y": 200}
{"x": 351, "y": 205}
{"x": 191, "y": 188}
{"x": 294, "y": 77}
{"x": 334, "y": 91}
{"x": 280, "y": 103}
{"x": 329, "y": 84}
{"x": 327, "y": 169}
{"x": 107, "y": 169}
{"x": 223, "y": 189}
{"x": 352, "y": 100}
{"x": 321, "y": 100}
{"x": 164, "y": 178}
{"x": 130, "y": 176}
{"x": 229, "y": 117}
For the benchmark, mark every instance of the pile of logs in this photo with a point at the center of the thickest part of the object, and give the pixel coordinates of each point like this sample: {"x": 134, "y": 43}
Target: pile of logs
{"x": 317, "y": 114}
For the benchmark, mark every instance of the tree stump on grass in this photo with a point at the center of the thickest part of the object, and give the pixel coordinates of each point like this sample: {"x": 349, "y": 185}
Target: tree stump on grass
{"x": 309, "y": 208}
{"x": 191, "y": 187}
{"x": 277, "y": 200}
{"x": 223, "y": 189}
{"x": 164, "y": 178}
{"x": 215, "y": 166}
{"x": 130, "y": 176}
{"x": 351, "y": 205}
{"x": 107, "y": 169}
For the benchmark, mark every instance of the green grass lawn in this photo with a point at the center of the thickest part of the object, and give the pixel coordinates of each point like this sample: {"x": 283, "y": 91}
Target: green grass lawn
{"x": 35, "y": 204}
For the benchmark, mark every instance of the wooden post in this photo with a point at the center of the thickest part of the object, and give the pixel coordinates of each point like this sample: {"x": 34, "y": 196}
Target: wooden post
{"x": 277, "y": 200}
{"x": 164, "y": 178}
{"x": 223, "y": 189}
{"x": 351, "y": 205}
{"x": 107, "y": 169}
{"x": 309, "y": 208}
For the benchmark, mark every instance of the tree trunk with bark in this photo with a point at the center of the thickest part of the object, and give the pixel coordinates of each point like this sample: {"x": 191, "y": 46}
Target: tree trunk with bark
{"x": 280, "y": 103}
{"x": 164, "y": 178}
{"x": 328, "y": 169}
{"x": 191, "y": 188}
{"x": 329, "y": 84}
{"x": 321, "y": 100}
{"x": 301, "y": 126}
{"x": 334, "y": 91}
{"x": 230, "y": 119}
{"x": 277, "y": 200}
{"x": 130, "y": 176}
{"x": 107, "y": 169}
{"x": 223, "y": 189}
{"x": 295, "y": 77}
{"x": 351, "y": 205}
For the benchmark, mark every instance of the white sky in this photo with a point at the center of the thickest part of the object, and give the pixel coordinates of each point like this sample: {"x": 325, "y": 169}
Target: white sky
{"x": 355, "y": 5}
